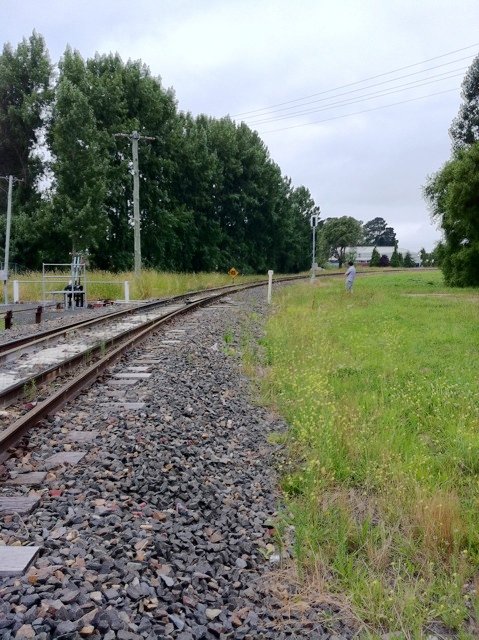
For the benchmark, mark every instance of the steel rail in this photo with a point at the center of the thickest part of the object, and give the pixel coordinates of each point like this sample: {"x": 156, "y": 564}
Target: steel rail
{"x": 142, "y": 306}
{"x": 18, "y": 389}
{"x": 9, "y": 348}
{"x": 50, "y": 373}
{"x": 74, "y": 387}
{"x": 70, "y": 390}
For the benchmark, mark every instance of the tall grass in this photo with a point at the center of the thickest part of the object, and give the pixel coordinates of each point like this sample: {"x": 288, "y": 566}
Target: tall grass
{"x": 381, "y": 482}
{"x": 104, "y": 285}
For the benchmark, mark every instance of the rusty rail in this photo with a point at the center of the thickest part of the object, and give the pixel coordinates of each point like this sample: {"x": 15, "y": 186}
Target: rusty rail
{"x": 74, "y": 387}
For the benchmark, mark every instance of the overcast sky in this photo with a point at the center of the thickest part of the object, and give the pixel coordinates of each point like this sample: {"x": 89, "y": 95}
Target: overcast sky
{"x": 263, "y": 61}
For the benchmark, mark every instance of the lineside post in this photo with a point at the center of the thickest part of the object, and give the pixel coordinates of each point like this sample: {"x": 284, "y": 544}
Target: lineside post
{"x": 270, "y": 285}
{"x": 134, "y": 137}
{"x": 127, "y": 291}
{"x": 16, "y": 292}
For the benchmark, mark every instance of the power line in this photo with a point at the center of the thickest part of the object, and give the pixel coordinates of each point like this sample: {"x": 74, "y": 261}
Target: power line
{"x": 351, "y": 84}
{"x": 371, "y": 86}
{"x": 356, "y": 113}
{"x": 368, "y": 96}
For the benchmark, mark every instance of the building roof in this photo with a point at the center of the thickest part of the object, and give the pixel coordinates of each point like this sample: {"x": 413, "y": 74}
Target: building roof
{"x": 364, "y": 253}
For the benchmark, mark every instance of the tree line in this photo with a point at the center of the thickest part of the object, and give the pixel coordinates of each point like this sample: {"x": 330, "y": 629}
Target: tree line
{"x": 453, "y": 192}
{"x": 211, "y": 196}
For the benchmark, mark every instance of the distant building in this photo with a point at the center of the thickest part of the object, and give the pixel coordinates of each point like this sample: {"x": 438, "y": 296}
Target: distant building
{"x": 362, "y": 255}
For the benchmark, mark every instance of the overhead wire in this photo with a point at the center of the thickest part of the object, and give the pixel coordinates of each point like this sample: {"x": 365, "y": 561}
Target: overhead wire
{"x": 368, "y": 96}
{"x": 351, "y": 84}
{"x": 356, "y": 113}
{"x": 371, "y": 86}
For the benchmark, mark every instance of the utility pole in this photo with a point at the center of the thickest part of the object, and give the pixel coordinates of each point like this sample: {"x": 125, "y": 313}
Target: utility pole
{"x": 134, "y": 137}
{"x": 314, "y": 223}
{"x": 11, "y": 180}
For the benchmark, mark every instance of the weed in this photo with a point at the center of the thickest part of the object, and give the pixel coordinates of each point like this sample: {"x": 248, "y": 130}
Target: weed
{"x": 30, "y": 390}
{"x": 103, "y": 285}
{"x": 381, "y": 485}
{"x": 228, "y": 336}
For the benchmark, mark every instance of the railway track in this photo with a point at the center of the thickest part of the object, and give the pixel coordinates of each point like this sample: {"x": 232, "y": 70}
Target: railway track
{"x": 71, "y": 358}
{"x": 143, "y": 509}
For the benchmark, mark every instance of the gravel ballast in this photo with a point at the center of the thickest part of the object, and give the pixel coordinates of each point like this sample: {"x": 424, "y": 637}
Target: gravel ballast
{"x": 164, "y": 529}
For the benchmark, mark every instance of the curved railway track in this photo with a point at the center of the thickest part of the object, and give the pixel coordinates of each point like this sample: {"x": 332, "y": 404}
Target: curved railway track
{"x": 88, "y": 345}
{"x": 83, "y": 350}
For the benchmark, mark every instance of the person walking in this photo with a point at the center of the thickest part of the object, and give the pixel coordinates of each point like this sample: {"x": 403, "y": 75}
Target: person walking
{"x": 350, "y": 276}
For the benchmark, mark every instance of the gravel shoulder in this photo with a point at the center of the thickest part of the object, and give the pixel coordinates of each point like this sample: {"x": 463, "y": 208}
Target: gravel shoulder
{"x": 164, "y": 528}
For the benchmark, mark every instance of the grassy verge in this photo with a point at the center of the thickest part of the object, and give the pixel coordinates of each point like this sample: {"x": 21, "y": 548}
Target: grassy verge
{"x": 382, "y": 484}
{"x": 151, "y": 284}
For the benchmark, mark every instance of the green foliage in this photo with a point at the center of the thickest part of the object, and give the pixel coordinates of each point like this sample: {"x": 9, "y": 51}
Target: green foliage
{"x": 408, "y": 261}
{"x": 396, "y": 258}
{"x": 25, "y": 99}
{"x": 438, "y": 254}
{"x": 453, "y": 193}
{"x": 464, "y": 130}
{"x": 383, "y": 421}
{"x": 339, "y": 233}
{"x": 375, "y": 258}
{"x": 25, "y": 74}
{"x": 376, "y": 232}
{"x": 211, "y": 197}
{"x": 425, "y": 258}
{"x": 80, "y": 172}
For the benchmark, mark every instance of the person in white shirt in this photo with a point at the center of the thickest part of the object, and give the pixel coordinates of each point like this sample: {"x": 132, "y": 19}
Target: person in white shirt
{"x": 350, "y": 275}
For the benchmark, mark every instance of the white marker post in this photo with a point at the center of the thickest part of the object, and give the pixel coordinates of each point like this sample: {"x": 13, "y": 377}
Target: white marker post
{"x": 127, "y": 291}
{"x": 314, "y": 223}
{"x": 270, "y": 285}
{"x": 16, "y": 292}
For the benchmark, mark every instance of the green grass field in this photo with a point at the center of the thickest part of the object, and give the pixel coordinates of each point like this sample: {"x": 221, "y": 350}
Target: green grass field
{"x": 381, "y": 482}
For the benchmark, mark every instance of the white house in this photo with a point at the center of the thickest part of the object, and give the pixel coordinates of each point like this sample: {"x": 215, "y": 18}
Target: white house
{"x": 362, "y": 255}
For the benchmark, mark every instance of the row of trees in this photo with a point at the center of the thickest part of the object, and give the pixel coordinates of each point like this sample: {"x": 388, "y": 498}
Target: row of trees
{"x": 453, "y": 192}
{"x": 211, "y": 196}
{"x": 397, "y": 259}
{"x": 336, "y": 234}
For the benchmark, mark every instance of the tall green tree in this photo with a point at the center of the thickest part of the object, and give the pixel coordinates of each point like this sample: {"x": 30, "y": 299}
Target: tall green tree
{"x": 322, "y": 249}
{"x": 25, "y": 97}
{"x": 453, "y": 194}
{"x": 291, "y": 231}
{"x": 25, "y": 75}
{"x": 377, "y": 232}
{"x": 464, "y": 130}
{"x": 340, "y": 233}
{"x": 210, "y": 195}
{"x": 408, "y": 260}
{"x": 427, "y": 259}
{"x": 375, "y": 258}
{"x": 396, "y": 258}
{"x": 80, "y": 169}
